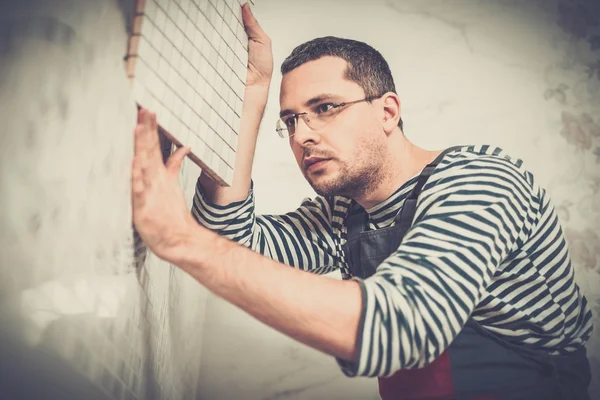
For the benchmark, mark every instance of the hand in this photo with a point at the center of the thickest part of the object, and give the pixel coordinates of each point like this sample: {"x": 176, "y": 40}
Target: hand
{"x": 260, "y": 53}
{"x": 160, "y": 213}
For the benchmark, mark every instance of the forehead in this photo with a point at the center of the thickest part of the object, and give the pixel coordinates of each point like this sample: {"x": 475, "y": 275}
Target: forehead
{"x": 324, "y": 75}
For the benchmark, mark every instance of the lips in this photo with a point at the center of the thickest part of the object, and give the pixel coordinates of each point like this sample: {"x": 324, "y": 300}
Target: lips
{"x": 314, "y": 162}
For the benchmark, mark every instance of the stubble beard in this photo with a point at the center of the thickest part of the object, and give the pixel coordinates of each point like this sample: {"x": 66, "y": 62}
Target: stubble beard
{"x": 355, "y": 181}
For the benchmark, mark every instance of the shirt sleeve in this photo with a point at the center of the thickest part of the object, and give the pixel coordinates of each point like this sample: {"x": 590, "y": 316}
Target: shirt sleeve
{"x": 302, "y": 238}
{"x": 422, "y": 295}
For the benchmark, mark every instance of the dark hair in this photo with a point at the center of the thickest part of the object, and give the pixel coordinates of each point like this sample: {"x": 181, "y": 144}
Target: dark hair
{"x": 366, "y": 66}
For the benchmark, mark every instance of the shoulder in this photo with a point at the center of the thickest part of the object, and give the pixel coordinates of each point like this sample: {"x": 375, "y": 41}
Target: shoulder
{"x": 481, "y": 163}
{"x": 475, "y": 176}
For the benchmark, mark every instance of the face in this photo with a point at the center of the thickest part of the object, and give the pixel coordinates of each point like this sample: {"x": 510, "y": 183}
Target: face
{"x": 345, "y": 157}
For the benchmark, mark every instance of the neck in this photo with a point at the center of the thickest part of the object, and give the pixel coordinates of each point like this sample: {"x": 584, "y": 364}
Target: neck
{"x": 403, "y": 161}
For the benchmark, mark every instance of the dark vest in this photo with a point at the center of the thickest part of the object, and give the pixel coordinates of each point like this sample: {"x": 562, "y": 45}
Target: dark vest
{"x": 478, "y": 365}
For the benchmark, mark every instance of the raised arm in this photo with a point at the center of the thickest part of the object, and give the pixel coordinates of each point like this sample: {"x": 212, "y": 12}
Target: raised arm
{"x": 260, "y": 70}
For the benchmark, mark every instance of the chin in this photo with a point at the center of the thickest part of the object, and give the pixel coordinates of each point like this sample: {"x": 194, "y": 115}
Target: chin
{"x": 328, "y": 187}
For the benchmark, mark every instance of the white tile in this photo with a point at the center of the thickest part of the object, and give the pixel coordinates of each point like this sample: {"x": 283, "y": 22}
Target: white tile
{"x": 229, "y": 57}
{"x": 188, "y": 47}
{"x": 238, "y": 111}
{"x": 192, "y": 10}
{"x": 233, "y": 20}
{"x": 147, "y": 29}
{"x": 201, "y": 20}
{"x": 190, "y": 28}
{"x": 196, "y": 58}
{"x": 221, "y": 66}
{"x": 222, "y": 108}
{"x": 176, "y": 57}
{"x": 217, "y": 145}
{"x": 160, "y": 86}
{"x": 165, "y": 119}
{"x": 217, "y": 23}
{"x": 236, "y": 124}
{"x": 221, "y": 129}
{"x": 200, "y": 147}
{"x": 201, "y": 84}
{"x": 230, "y": 116}
{"x": 211, "y": 76}
{"x": 150, "y": 9}
{"x": 195, "y": 122}
{"x": 178, "y": 39}
{"x": 193, "y": 75}
{"x": 221, "y": 7}
{"x": 139, "y": 91}
{"x": 160, "y": 19}
{"x": 234, "y": 141}
{"x": 176, "y": 126}
{"x": 239, "y": 51}
{"x": 205, "y": 112}
{"x": 210, "y": 138}
{"x": 185, "y": 5}
{"x": 172, "y": 79}
{"x": 212, "y": 122}
{"x": 163, "y": 67}
{"x": 160, "y": 109}
{"x": 208, "y": 157}
{"x": 229, "y": 176}
{"x": 204, "y": 7}
{"x": 186, "y": 115}
{"x": 170, "y": 28}
{"x": 203, "y": 130}
{"x": 230, "y": 157}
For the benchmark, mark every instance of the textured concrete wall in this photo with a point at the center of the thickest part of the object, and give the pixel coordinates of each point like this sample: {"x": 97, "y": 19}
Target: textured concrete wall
{"x": 78, "y": 319}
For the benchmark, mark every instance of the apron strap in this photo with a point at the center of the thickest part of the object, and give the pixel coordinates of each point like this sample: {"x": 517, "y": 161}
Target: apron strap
{"x": 358, "y": 219}
{"x": 405, "y": 217}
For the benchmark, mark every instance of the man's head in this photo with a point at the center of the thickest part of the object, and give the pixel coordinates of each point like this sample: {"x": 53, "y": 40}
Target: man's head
{"x": 317, "y": 76}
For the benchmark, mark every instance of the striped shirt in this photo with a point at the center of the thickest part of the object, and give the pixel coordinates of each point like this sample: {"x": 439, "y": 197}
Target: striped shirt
{"x": 485, "y": 243}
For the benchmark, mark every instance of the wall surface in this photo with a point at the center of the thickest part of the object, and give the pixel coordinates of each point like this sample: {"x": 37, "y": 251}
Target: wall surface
{"x": 78, "y": 318}
{"x": 523, "y": 75}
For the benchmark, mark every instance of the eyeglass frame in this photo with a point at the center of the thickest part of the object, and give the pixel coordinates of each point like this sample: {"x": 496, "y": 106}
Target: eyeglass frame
{"x": 304, "y": 115}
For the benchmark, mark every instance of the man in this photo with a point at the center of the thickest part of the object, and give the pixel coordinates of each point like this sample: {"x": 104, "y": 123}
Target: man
{"x": 462, "y": 284}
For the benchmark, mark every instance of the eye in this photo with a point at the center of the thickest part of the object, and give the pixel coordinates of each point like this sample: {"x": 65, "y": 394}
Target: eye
{"x": 289, "y": 121}
{"x": 324, "y": 108}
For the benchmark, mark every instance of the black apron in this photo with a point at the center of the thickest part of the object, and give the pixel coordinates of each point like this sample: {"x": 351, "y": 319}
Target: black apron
{"x": 478, "y": 365}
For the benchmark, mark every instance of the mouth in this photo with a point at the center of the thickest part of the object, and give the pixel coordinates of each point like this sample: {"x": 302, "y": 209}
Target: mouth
{"x": 314, "y": 164}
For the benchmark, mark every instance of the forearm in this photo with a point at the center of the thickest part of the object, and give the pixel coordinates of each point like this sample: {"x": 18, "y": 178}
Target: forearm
{"x": 318, "y": 311}
{"x": 255, "y": 99}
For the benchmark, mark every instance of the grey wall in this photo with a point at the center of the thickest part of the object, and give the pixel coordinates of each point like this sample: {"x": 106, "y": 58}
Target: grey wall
{"x": 78, "y": 319}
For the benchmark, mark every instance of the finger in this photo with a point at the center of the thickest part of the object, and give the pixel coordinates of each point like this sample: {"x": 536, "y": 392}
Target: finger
{"x": 147, "y": 143}
{"x": 140, "y": 115}
{"x": 137, "y": 184}
{"x": 251, "y": 25}
{"x": 153, "y": 124}
{"x": 145, "y": 163}
{"x": 174, "y": 162}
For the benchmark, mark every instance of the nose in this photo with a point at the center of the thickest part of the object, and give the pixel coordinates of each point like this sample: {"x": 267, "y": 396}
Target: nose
{"x": 304, "y": 134}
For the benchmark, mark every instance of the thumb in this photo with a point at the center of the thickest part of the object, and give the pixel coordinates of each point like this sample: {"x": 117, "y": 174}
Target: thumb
{"x": 175, "y": 160}
{"x": 251, "y": 25}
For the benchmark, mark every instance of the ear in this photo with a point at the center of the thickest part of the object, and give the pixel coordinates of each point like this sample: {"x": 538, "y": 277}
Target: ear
{"x": 391, "y": 112}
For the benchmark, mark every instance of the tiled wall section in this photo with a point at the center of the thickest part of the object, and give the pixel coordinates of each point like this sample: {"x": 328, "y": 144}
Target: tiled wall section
{"x": 190, "y": 67}
{"x": 77, "y": 319}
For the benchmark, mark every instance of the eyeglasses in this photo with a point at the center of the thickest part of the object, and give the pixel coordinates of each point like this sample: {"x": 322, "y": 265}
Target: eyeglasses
{"x": 315, "y": 119}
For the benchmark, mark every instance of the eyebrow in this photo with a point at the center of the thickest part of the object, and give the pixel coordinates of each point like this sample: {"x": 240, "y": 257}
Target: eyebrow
{"x": 310, "y": 102}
